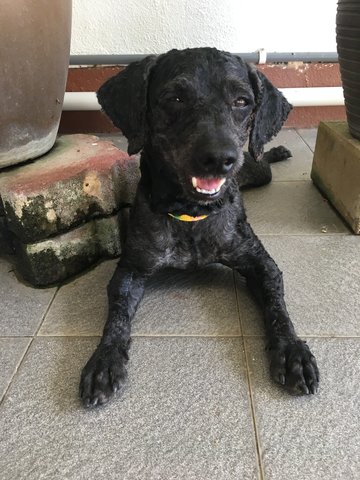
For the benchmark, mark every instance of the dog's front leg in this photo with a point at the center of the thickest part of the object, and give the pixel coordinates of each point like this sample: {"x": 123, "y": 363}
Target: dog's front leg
{"x": 291, "y": 361}
{"x": 105, "y": 372}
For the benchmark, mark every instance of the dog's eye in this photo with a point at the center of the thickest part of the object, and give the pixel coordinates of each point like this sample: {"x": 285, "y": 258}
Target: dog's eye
{"x": 240, "y": 102}
{"x": 176, "y": 100}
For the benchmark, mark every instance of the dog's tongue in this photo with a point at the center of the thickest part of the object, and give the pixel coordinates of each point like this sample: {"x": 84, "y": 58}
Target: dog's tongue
{"x": 208, "y": 183}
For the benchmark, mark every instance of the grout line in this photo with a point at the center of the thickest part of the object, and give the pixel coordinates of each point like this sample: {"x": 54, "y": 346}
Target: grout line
{"x": 252, "y": 406}
{"x": 190, "y": 335}
{"x": 294, "y": 180}
{"x": 17, "y": 366}
{"x": 47, "y": 311}
{"x": 308, "y": 335}
{"x": 145, "y": 335}
{"x": 32, "y": 337}
{"x": 318, "y": 235}
{"x": 236, "y": 302}
{"x": 19, "y": 363}
{"x": 15, "y": 336}
{"x": 251, "y": 400}
{"x": 304, "y": 140}
{"x": 329, "y": 336}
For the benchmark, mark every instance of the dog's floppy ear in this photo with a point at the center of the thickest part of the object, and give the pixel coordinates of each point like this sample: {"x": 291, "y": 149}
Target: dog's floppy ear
{"x": 123, "y": 99}
{"x": 271, "y": 111}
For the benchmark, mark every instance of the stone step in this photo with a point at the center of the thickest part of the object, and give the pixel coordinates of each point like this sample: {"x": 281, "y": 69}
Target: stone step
{"x": 55, "y": 259}
{"x": 81, "y": 178}
{"x": 62, "y": 212}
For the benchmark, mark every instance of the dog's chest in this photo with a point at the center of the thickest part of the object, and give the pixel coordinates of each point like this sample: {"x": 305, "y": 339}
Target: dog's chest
{"x": 193, "y": 247}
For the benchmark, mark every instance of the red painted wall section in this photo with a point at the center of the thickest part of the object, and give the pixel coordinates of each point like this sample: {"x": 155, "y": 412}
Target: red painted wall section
{"x": 290, "y": 75}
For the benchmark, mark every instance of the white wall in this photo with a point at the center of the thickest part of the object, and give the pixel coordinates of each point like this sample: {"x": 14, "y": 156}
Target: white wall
{"x": 155, "y": 26}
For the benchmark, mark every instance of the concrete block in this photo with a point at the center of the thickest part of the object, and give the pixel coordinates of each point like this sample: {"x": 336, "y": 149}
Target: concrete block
{"x": 5, "y": 238}
{"x": 53, "y": 260}
{"x": 336, "y": 170}
{"x": 81, "y": 178}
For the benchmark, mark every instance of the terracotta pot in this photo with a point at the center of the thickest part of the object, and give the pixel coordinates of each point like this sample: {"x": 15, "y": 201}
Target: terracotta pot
{"x": 348, "y": 45}
{"x": 34, "y": 59}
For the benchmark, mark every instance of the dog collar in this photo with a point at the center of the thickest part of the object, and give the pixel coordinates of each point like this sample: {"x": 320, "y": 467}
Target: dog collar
{"x": 188, "y": 218}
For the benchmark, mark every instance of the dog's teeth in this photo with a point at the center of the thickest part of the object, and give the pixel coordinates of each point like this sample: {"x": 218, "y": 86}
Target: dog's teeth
{"x": 207, "y": 192}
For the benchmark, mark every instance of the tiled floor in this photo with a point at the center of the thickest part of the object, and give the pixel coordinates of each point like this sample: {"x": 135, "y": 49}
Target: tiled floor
{"x": 199, "y": 403}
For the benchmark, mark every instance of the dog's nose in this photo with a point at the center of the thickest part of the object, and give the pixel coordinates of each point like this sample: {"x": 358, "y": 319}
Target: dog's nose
{"x": 219, "y": 160}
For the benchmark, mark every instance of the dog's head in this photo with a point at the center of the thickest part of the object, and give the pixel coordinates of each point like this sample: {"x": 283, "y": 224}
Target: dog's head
{"x": 193, "y": 110}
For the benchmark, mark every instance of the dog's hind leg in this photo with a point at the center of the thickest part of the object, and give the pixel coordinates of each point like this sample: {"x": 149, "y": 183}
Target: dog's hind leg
{"x": 256, "y": 173}
{"x": 105, "y": 372}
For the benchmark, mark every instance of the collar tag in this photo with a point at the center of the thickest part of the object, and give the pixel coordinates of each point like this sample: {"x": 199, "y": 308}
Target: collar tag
{"x": 188, "y": 218}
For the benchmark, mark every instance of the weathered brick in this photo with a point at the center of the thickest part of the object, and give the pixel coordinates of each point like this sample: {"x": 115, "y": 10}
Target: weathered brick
{"x": 336, "y": 170}
{"x": 55, "y": 259}
{"x": 81, "y": 178}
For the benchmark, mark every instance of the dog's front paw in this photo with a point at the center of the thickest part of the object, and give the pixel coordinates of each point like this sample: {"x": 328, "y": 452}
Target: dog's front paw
{"x": 103, "y": 375}
{"x": 293, "y": 365}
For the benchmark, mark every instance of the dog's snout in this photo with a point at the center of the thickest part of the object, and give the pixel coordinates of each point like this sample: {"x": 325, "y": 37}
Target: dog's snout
{"x": 218, "y": 160}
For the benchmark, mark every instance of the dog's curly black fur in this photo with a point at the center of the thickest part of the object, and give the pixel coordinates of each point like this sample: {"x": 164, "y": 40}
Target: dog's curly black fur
{"x": 190, "y": 113}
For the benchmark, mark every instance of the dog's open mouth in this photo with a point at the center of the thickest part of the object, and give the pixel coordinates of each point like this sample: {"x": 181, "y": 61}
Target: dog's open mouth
{"x": 207, "y": 186}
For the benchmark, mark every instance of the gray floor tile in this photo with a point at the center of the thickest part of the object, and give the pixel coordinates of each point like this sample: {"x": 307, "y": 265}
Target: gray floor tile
{"x": 11, "y": 354}
{"x": 175, "y": 303}
{"x": 322, "y": 284}
{"x": 184, "y": 415}
{"x": 80, "y": 307}
{"x": 251, "y": 318}
{"x": 313, "y": 437}
{"x": 309, "y": 136}
{"x": 193, "y": 303}
{"x": 292, "y": 208}
{"x": 298, "y": 167}
{"x": 22, "y": 307}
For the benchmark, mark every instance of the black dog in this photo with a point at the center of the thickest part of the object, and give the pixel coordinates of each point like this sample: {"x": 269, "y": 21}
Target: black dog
{"x": 190, "y": 112}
